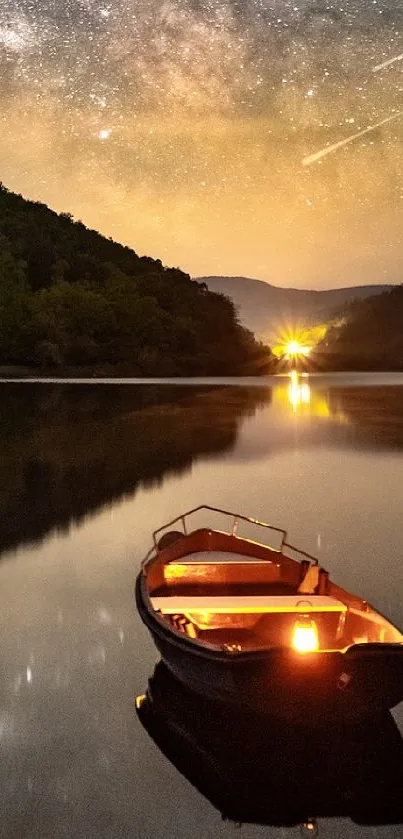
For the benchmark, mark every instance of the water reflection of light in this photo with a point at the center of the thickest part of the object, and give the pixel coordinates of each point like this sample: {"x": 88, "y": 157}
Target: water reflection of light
{"x": 299, "y": 391}
{"x": 7, "y": 725}
{"x": 97, "y": 655}
{"x": 17, "y": 684}
{"x": 104, "y": 616}
{"x": 306, "y": 400}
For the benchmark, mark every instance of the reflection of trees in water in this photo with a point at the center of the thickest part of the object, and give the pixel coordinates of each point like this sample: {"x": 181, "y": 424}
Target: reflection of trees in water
{"x": 375, "y": 412}
{"x": 67, "y": 450}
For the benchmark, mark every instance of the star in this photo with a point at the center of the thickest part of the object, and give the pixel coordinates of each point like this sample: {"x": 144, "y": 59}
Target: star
{"x": 200, "y": 115}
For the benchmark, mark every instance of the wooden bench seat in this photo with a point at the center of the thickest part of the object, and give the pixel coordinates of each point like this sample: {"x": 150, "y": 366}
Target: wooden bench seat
{"x": 262, "y": 604}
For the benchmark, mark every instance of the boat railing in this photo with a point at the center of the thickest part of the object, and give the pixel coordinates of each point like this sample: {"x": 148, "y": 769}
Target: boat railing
{"x": 237, "y": 517}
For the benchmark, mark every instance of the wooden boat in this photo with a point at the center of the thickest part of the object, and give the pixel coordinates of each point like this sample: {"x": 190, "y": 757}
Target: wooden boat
{"x": 243, "y": 622}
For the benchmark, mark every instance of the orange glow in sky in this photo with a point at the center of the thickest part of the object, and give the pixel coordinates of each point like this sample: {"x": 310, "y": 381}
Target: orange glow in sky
{"x": 182, "y": 128}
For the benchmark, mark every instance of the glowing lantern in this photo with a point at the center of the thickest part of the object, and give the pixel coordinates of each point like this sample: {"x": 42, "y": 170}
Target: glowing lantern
{"x": 305, "y": 638}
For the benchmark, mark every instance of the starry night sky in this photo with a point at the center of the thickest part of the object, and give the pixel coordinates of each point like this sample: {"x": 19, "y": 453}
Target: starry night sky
{"x": 180, "y": 127}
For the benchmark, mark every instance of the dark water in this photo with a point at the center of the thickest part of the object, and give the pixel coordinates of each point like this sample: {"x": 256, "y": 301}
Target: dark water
{"x": 86, "y": 473}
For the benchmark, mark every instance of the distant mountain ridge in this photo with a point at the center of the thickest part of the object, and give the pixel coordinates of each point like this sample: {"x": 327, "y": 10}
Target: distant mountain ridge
{"x": 266, "y": 309}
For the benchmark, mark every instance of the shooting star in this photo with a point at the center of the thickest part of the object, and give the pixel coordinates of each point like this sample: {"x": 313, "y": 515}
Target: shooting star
{"x": 312, "y": 158}
{"x": 387, "y": 63}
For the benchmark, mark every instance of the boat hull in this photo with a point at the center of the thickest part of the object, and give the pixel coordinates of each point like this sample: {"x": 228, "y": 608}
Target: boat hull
{"x": 360, "y": 682}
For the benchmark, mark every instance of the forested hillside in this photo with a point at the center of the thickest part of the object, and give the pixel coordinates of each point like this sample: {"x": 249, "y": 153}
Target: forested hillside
{"x": 369, "y": 337}
{"x": 70, "y": 298}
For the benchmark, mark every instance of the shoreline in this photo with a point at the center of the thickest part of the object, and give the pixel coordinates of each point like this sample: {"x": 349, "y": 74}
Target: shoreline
{"x": 346, "y": 378}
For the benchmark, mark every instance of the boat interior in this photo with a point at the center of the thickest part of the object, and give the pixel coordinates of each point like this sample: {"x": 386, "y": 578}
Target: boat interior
{"x": 235, "y": 594}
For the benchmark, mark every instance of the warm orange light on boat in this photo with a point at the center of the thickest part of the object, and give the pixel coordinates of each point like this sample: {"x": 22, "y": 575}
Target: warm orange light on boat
{"x": 305, "y": 638}
{"x": 175, "y": 571}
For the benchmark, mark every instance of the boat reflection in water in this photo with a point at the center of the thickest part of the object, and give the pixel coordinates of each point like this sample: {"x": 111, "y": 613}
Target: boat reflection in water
{"x": 254, "y": 770}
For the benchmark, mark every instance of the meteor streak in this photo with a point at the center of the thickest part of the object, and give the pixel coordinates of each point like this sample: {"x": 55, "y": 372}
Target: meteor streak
{"x": 312, "y": 158}
{"x": 387, "y": 63}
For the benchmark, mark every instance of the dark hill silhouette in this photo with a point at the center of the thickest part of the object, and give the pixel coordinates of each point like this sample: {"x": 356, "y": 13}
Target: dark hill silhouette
{"x": 71, "y": 298}
{"x": 265, "y": 309}
{"x": 370, "y": 336}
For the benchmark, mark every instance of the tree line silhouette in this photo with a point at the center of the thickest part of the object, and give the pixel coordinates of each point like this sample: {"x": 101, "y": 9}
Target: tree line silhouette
{"x": 70, "y": 298}
{"x": 368, "y": 335}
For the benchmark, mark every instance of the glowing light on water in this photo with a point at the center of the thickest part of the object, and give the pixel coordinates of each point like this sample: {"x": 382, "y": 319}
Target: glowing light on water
{"x": 299, "y": 392}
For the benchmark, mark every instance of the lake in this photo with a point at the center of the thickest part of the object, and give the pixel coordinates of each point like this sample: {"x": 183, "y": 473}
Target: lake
{"x": 88, "y": 471}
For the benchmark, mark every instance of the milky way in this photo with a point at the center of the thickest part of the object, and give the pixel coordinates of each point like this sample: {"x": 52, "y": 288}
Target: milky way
{"x": 181, "y": 127}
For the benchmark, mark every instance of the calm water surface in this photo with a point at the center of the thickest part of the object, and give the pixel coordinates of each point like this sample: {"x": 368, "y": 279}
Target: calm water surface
{"x": 86, "y": 473}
